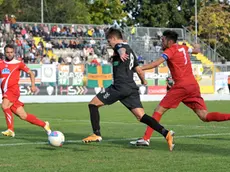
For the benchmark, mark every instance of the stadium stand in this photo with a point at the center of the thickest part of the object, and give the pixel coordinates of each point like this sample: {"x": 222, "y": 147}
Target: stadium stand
{"x": 73, "y": 43}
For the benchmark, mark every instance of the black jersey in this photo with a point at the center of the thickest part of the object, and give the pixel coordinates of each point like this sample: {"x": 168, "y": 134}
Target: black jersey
{"x": 123, "y": 71}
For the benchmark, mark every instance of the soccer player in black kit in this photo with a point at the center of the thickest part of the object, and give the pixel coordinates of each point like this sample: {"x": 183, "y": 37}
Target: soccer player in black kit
{"x": 123, "y": 89}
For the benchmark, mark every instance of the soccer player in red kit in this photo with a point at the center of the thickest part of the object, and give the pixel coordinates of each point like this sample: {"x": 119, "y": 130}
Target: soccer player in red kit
{"x": 185, "y": 88}
{"x": 9, "y": 77}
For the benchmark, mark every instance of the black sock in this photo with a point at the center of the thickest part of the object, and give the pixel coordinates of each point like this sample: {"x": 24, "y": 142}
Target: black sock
{"x": 154, "y": 125}
{"x": 95, "y": 119}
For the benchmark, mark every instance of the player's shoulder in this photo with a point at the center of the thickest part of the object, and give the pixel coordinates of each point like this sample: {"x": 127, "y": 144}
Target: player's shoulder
{"x": 122, "y": 45}
{"x": 13, "y": 62}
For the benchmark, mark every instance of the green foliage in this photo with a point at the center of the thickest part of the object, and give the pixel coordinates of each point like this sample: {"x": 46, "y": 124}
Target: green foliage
{"x": 8, "y": 7}
{"x": 214, "y": 28}
{"x": 159, "y": 13}
{"x": 1, "y": 1}
{"x": 105, "y": 11}
{"x": 69, "y": 11}
{"x": 72, "y": 11}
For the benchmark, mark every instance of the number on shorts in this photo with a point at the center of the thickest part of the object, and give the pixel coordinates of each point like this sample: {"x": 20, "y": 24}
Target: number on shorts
{"x": 185, "y": 55}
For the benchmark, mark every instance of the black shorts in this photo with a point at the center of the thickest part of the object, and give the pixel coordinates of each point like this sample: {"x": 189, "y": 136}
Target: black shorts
{"x": 129, "y": 97}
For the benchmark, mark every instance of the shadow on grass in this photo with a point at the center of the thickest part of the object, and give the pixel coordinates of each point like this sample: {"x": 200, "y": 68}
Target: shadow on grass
{"x": 190, "y": 145}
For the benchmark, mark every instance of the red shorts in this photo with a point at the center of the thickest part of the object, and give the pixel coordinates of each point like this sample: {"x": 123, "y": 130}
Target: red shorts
{"x": 13, "y": 97}
{"x": 189, "y": 95}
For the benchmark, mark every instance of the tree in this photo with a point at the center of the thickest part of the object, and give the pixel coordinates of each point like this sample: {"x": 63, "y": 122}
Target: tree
{"x": 159, "y": 13}
{"x": 106, "y": 11}
{"x": 72, "y": 11}
{"x": 8, "y": 7}
{"x": 214, "y": 28}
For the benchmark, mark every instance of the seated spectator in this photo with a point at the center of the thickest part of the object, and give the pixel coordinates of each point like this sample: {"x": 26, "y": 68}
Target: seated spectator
{"x": 95, "y": 62}
{"x": 35, "y": 30}
{"x": 52, "y": 60}
{"x": 76, "y": 60}
{"x": 45, "y": 60}
{"x": 68, "y": 60}
{"x": 26, "y": 59}
{"x": 61, "y": 60}
{"x": 91, "y": 32}
{"x": 140, "y": 59}
{"x": 13, "y": 21}
{"x": 31, "y": 57}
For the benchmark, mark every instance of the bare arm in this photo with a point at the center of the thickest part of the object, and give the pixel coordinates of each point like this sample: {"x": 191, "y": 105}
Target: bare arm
{"x": 153, "y": 64}
{"x": 122, "y": 53}
{"x": 32, "y": 79}
{"x": 195, "y": 49}
{"x": 141, "y": 75}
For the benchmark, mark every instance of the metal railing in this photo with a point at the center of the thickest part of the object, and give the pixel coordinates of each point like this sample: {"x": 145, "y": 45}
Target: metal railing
{"x": 209, "y": 52}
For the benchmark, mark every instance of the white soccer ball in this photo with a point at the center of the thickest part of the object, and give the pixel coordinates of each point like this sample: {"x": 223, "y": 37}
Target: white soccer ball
{"x": 56, "y": 138}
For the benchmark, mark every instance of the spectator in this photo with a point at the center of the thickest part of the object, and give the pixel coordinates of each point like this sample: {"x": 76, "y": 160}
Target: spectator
{"x": 61, "y": 60}
{"x": 13, "y": 21}
{"x": 46, "y": 60}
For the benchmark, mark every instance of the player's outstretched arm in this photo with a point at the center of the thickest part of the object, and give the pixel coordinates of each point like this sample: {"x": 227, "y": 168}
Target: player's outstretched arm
{"x": 32, "y": 79}
{"x": 141, "y": 75}
{"x": 195, "y": 49}
{"x": 153, "y": 64}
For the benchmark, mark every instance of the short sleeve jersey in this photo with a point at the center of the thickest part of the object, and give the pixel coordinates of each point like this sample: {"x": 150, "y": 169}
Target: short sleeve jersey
{"x": 123, "y": 71}
{"x": 10, "y": 74}
{"x": 179, "y": 64}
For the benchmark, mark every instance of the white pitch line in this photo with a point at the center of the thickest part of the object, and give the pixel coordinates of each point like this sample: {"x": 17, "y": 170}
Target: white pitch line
{"x": 112, "y": 140}
{"x": 132, "y": 123}
{"x": 129, "y": 123}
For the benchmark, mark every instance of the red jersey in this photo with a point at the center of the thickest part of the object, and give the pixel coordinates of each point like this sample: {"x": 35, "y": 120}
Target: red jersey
{"x": 179, "y": 64}
{"x": 10, "y": 74}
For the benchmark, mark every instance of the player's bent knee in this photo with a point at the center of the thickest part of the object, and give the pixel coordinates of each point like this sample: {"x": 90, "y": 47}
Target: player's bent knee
{"x": 202, "y": 114}
{"x": 92, "y": 106}
{"x": 204, "y": 119}
{"x": 5, "y": 106}
{"x": 138, "y": 117}
{"x": 95, "y": 101}
{"x": 22, "y": 116}
{"x": 20, "y": 112}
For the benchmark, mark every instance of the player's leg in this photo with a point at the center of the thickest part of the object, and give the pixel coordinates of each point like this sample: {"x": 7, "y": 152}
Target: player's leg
{"x": 93, "y": 105}
{"x": 206, "y": 116}
{"x": 197, "y": 104}
{"x": 171, "y": 100}
{"x": 18, "y": 109}
{"x": 157, "y": 114}
{"x": 134, "y": 104}
{"x": 151, "y": 122}
{"x": 109, "y": 96}
{"x": 6, "y": 104}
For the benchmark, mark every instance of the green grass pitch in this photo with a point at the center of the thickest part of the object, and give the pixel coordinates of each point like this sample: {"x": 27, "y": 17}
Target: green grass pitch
{"x": 199, "y": 146}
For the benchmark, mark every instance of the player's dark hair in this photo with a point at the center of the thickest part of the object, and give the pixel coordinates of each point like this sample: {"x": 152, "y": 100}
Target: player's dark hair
{"x": 114, "y": 32}
{"x": 8, "y": 46}
{"x": 170, "y": 35}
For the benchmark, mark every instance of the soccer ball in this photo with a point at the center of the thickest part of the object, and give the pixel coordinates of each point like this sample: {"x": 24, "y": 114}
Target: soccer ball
{"x": 56, "y": 138}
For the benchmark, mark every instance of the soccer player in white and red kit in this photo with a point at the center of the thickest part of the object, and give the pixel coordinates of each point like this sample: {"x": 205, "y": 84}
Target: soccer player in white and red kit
{"x": 9, "y": 76}
{"x": 185, "y": 88}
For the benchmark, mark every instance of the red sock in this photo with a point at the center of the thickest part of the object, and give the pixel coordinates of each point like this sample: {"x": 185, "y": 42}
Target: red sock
{"x": 149, "y": 131}
{"x": 217, "y": 116}
{"x": 34, "y": 120}
{"x": 9, "y": 118}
